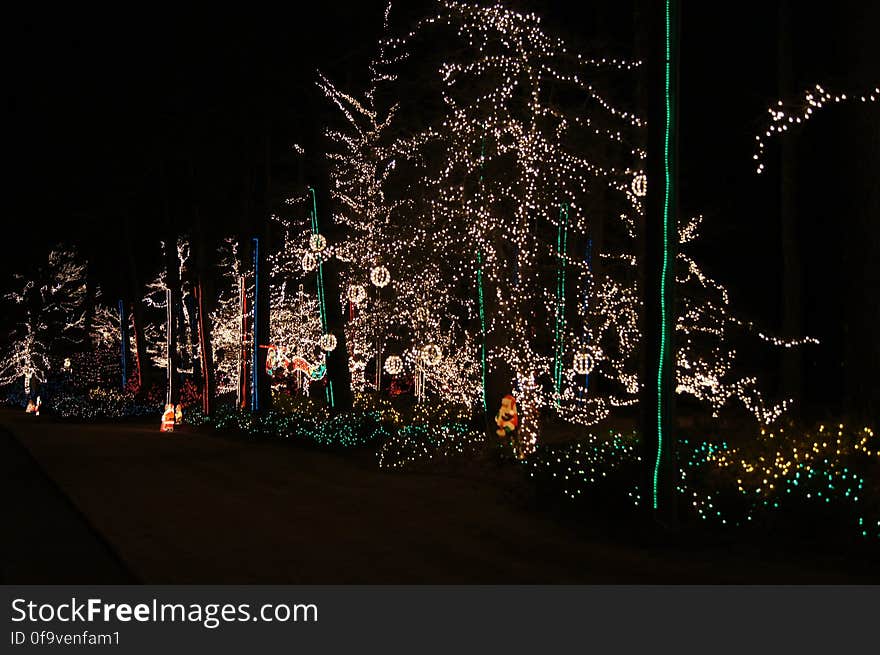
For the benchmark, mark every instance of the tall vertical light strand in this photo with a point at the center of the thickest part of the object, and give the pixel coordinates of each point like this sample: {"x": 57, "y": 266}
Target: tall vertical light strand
{"x": 320, "y": 284}
{"x": 561, "y": 247}
{"x": 482, "y": 325}
{"x": 255, "y": 400}
{"x": 556, "y": 322}
{"x": 321, "y": 297}
{"x": 168, "y": 327}
{"x": 664, "y": 319}
{"x": 137, "y": 360}
{"x": 589, "y": 261}
{"x": 563, "y": 326}
{"x": 242, "y": 357}
{"x": 480, "y": 289}
{"x": 123, "y": 334}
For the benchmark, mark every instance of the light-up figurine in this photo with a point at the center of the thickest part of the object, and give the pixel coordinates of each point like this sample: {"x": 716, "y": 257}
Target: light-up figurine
{"x": 168, "y": 418}
{"x": 506, "y": 419}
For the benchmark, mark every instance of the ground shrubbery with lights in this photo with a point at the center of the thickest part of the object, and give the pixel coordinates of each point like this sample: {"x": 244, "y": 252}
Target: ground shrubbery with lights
{"x": 789, "y": 483}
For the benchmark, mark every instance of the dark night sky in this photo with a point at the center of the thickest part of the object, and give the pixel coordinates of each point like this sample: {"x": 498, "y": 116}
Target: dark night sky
{"x": 101, "y": 99}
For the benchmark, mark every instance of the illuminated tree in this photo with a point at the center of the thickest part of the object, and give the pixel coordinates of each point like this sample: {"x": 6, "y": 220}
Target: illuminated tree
{"x": 359, "y": 169}
{"x": 226, "y": 319}
{"x": 51, "y": 312}
{"x": 493, "y": 204}
{"x": 483, "y": 217}
{"x": 25, "y": 358}
{"x": 184, "y": 339}
{"x": 397, "y": 295}
{"x": 511, "y": 172}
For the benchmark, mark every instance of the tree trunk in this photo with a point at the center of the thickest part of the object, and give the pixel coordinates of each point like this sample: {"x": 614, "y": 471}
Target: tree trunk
{"x": 124, "y": 350}
{"x": 205, "y": 349}
{"x": 338, "y": 373}
{"x": 172, "y": 282}
{"x": 142, "y": 363}
{"x": 90, "y": 302}
{"x": 262, "y": 312}
{"x": 204, "y": 295}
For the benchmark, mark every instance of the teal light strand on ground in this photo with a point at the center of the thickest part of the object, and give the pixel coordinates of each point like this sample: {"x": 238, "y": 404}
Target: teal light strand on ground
{"x": 664, "y": 318}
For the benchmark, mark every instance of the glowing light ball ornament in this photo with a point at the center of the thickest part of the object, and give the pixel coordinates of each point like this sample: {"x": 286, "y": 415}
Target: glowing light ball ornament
{"x": 380, "y": 276}
{"x": 583, "y": 363}
{"x": 309, "y": 262}
{"x": 317, "y": 242}
{"x": 393, "y": 365}
{"x": 357, "y": 294}
{"x": 640, "y": 185}
{"x": 67, "y": 363}
{"x": 431, "y": 354}
{"x": 327, "y": 342}
{"x": 423, "y": 314}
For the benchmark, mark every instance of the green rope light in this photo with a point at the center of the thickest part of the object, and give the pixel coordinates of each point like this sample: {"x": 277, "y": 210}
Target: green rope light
{"x": 559, "y": 336}
{"x": 480, "y": 289}
{"x": 322, "y": 304}
{"x": 482, "y": 325}
{"x": 664, "y": 319}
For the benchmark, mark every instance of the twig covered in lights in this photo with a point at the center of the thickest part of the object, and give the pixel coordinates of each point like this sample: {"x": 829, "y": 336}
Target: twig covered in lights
{"x": 788, "y": 114}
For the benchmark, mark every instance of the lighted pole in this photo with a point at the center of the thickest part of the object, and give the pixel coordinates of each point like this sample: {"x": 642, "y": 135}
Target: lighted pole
{"x": 243, "y": 351}
{"x": 169, "y": 348}
{"x": 259, "y": 382}
{"x": 322, "y": 305}
{"x": 338, "y": 392}
{"x": 659, "y": 239}
{"x": 123, "y": 333}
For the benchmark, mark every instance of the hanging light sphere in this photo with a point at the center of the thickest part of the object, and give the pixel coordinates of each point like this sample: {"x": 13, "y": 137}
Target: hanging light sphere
{"x": 380, "y": 276}
{"x": 431, "y": 354}
{"x": 393, "y": 365}
{"x": 357, "y": 294}
{"x": 309, "y": 262}
{"x": 67, "y": 363}
{"x": 583, "y": 363}
{"x": 317, "y": 242}
{"x": 327, "y": 342}
{"x": 640, "y": 185}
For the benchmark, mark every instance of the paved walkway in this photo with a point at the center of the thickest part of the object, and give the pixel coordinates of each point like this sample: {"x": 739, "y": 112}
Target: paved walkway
{"x": 199, "y": 508}
{"x": 46, "y": 540}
